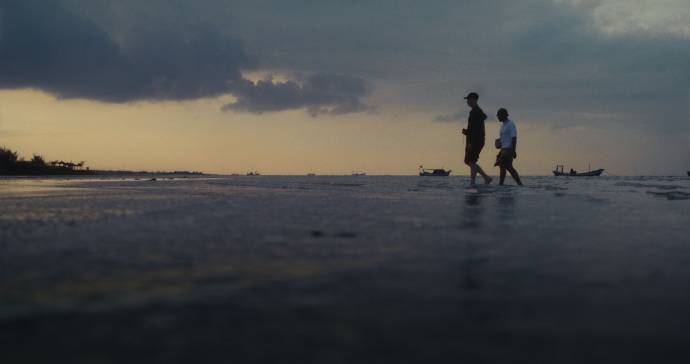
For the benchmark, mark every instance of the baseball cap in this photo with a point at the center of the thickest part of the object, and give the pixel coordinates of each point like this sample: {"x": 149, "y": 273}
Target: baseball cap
{"x": 472, "y": 95}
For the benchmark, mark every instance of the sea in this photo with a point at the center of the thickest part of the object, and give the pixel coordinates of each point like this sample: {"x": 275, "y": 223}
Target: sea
{"x": 344, "y": 269}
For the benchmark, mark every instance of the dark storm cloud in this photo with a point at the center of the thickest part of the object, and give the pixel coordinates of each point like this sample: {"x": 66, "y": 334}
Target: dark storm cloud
{"x": 537, "y": 56}
{"x": 319, "y": 94}
{"x": 547, "y": 58}
{"x": 532, "y": 55}
{"x": 46, "y": 45}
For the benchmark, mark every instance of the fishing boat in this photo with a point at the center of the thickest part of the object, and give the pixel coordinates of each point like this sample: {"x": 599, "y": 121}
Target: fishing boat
{"x": 357, "y": 174}
{"x": 433, "y": 172}
{"x": 573, "y": 173}
{"x": 253, "y": 173}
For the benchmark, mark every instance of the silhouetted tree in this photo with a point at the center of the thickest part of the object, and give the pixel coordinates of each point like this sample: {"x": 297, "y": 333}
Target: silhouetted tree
{"x": 8, "y": 159}
{"x": 7, "y": 155}
{"x": 38, "y": 161}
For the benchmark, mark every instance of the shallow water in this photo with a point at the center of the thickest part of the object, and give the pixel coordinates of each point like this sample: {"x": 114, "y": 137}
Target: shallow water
{"x": 345, "y": 269}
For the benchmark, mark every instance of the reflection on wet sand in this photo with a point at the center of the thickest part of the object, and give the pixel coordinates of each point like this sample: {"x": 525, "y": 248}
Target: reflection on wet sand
{"x": 25, "y": 187}
{"x": 473, "y": 211}
{"x": 214, "y": 269}
{"x": 505, "y": 209}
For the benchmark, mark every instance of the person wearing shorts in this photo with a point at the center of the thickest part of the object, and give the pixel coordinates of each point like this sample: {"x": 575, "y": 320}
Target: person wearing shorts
{"x": 508, "y": 144}
{"x": 474, "y": 138}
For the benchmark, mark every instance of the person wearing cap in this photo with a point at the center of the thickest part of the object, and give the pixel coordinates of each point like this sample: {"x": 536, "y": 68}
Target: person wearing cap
{"x": 474, "y": 138}
{"x": 508, "y": 144}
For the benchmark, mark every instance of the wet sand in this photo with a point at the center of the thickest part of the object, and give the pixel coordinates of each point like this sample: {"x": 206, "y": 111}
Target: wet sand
{"x": 344, "y": 270}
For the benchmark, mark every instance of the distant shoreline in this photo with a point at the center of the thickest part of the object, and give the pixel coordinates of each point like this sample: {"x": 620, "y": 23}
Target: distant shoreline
{"x": 160, "y": 173}
{"x": 11, "y": 165}
{"x": 42, "y": 173}
{"x": 96, "y": 173}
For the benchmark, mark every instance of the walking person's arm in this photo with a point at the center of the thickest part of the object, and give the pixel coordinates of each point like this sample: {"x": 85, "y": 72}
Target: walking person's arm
{"x": 469, "y": 131}
{"x": 514, "y": 147}
{"x": 466, "y": 133}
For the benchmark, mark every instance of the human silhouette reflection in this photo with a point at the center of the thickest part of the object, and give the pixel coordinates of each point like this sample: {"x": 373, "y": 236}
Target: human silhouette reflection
{"x": 473, "y": 211}
{"x": 472, "y": 219}
{"x": 506, "y": 209}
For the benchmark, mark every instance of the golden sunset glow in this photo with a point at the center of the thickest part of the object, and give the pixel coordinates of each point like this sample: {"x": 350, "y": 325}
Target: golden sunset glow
{"x": 197, "y": 135}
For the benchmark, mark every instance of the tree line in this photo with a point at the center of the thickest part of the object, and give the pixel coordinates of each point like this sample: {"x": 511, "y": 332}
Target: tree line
{"x": 12, "y": 164}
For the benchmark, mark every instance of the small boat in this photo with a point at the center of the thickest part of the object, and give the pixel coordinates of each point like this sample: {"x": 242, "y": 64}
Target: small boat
{"x": 433, "y": 172}
{"x": 311, "y": 174}
{"x": 358, "y": 174}
{"x": 573, "y": 173}
{"x": 253, "y": 173}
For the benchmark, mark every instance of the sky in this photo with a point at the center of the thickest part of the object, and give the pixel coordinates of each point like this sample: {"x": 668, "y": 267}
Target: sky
{"x": 330, "y": 87}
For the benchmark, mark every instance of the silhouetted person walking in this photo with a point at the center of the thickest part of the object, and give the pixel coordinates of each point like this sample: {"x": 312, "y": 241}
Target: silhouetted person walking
{"x": 475, "y": 138}
{"x": 508, "y": 147}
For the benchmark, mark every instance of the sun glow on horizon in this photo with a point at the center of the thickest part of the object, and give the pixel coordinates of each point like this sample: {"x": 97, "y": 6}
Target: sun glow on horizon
{"x": 197, "y": 135}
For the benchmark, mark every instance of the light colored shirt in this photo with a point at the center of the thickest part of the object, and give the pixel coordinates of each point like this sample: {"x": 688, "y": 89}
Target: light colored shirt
{"x": 508, "y": 132}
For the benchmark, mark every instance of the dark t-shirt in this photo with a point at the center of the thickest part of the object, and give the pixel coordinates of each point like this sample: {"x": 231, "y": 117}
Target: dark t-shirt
{"x": 475, "y": 126}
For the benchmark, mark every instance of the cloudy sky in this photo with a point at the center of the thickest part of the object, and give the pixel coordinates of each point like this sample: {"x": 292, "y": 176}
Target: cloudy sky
{"x": 326, "y": 86}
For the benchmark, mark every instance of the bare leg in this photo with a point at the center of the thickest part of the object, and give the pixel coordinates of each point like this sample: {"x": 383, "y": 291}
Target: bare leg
{"x": 514, "y": 173}
{"x": 473, "y": 173}
{"x": 487, "y": 179}
{"x": 502, "y": 176}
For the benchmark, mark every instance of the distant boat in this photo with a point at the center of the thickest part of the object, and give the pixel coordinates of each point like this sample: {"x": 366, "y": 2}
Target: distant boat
{"x": 358, "y": 174}
{"x": 435, "y": 172}
{"x": 311, "y": 174}
{"x": 253, "y": 173}
{"x": 573, "y": 173}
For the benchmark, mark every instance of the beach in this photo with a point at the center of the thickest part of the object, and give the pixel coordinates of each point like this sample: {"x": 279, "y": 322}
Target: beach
{"x": 344, "y": 269}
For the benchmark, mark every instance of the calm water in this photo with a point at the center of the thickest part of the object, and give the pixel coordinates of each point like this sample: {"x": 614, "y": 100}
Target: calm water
{"x": 345, "y": 270}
